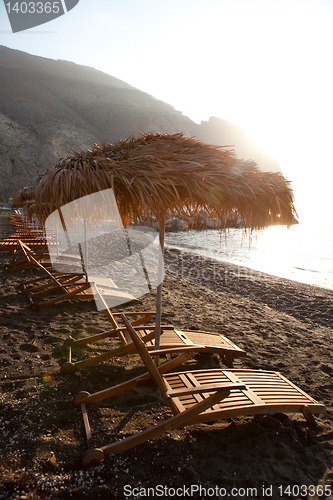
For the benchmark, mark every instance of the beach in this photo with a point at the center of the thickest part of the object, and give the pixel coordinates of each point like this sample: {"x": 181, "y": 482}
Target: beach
{"x": 282, "y": 325}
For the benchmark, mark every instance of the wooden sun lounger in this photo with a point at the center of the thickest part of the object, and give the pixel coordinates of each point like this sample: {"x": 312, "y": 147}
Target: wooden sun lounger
{"x": 13, "y": 245}
{"x": 22, "y": 235}
{"x": 42, "y": 256}
{"x": 170, "y": 337}
{"x": 70, "y": 287}
{"x": 22, "y": 262}
{"x": 200, "y": 396}
{"x": 35, "y": 258}
{"x": 73, "y": 287}
{"x": 23, "y": 232}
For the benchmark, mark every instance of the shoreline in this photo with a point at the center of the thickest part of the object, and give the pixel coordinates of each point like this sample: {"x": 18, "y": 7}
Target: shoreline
{"x": 238, "y": 265}
{"x": 304, "y": 302}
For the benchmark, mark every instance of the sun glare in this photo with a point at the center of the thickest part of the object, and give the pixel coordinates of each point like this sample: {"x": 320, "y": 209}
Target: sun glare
{"x": 276, "y": 86}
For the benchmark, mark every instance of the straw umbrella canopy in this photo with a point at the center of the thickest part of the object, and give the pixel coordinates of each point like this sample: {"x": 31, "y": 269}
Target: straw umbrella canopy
{"x": 23, "y": 197}
{"x": 156, "y": 174}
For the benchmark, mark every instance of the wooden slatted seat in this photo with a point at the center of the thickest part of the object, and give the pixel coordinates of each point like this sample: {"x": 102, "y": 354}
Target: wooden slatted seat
{"x": 201, "y": 396}
{"x": 13, "y": 245}
{"x": 74, "y": 288}
{"x": 24, "y": 232}
{"x": 204, "y": 342}
{"x": 20, "y": 262}
{"x": 266, "y": 392}
{"x": 66, "y": 263}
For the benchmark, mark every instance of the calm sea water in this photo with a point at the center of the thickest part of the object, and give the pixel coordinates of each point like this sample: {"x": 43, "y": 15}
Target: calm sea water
{"x": 302, "y": 253}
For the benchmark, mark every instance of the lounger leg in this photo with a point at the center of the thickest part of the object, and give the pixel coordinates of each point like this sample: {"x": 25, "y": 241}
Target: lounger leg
{"x": 309, "y": 416}
{"x": 179, "y": 420}
{"x": 228, "y": 359}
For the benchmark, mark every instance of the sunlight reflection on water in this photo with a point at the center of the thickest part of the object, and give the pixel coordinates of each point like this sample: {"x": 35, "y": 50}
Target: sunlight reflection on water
{"x": 301, "y": 253}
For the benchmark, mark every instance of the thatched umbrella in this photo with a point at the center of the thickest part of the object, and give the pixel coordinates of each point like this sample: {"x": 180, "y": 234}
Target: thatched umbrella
{"x": 24, "y": 199}
{"x": 159, "y": 174}
{"x": 23, "y": 196}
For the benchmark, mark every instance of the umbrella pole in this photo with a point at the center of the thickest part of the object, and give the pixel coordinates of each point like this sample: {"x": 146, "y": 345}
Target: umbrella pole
{"x": 57, "y": 239}
{"x": 85, "y": 247}
{"x": 159, "y": 288}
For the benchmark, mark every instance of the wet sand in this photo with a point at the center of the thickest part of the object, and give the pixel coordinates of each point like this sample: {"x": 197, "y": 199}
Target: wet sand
{"x": 282, "y": 325}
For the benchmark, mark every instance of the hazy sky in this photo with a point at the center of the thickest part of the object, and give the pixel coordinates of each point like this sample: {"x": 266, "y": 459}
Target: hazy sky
{"x": 263, "y": 65}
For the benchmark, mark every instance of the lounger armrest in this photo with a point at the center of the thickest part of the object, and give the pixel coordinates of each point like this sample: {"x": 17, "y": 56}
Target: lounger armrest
{"x": 135, "y": 313}
{"x": 175, "y": 350}
{"x": 203, "y": 388}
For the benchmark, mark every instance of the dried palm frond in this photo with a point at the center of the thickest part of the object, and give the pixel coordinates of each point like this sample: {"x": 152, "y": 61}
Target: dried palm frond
{"x": 157, "y": 174}
{"x": 23, "y": 196}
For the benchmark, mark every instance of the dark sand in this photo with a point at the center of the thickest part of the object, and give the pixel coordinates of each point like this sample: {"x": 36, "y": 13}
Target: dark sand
{"x": 282, "y": 325}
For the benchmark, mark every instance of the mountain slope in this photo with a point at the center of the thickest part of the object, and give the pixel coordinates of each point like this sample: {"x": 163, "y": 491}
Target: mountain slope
{"x": 48, "y": 108}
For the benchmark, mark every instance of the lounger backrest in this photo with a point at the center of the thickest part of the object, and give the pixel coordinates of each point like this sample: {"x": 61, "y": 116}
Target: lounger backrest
{"x": 29, "y": 255}
{"x": 107, "y": 310}
{"x": 145, "y": 356}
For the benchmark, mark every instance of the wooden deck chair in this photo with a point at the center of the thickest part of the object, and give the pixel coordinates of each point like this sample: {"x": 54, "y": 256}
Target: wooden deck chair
{"x": 23, "y": 232}
{"x": 44, "y": 261}
{"x": 12, "y": 245}
{"x": 21, "y": 262}
{"x": 69, "y": 286}
{"x": 23, "y": 236}
{"x": 170, "y": 337}
{"x": 24, "y": 261}
{"x": 201, "y": 396}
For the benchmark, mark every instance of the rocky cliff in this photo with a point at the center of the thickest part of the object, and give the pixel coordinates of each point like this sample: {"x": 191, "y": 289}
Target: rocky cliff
{"x": 49, "y": 108}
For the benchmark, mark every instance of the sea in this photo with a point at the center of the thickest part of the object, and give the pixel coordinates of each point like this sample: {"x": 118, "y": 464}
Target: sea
{"x": 302, "y": 252}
